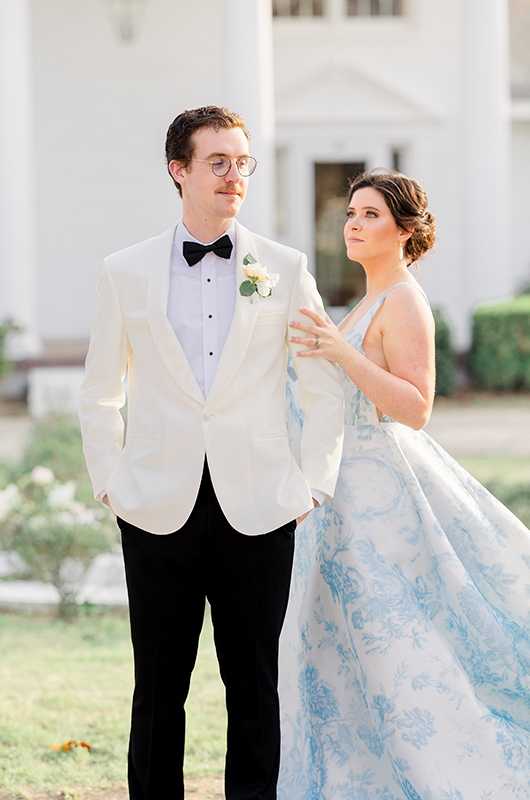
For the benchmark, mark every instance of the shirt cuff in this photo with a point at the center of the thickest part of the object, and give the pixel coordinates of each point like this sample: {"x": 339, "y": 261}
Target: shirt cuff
{"x": 319, "y": 496}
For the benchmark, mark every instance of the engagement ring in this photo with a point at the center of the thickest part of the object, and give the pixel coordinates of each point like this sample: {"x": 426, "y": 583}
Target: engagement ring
{"x": 317, "y": 342}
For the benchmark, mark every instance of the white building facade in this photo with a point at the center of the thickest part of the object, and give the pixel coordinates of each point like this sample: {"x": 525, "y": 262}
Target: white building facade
{"x": 88, "y": 89}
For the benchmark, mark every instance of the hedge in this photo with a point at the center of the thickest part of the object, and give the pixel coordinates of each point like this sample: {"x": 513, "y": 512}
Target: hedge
{"x": 445, "y": 361}
{"x": 500, "y": 352}
{"x": 6, "y": 329}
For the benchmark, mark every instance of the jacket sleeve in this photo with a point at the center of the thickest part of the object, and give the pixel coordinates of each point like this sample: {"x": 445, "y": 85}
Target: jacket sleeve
{"x": 320, "y": 394}
{"x": 102, "y": 390}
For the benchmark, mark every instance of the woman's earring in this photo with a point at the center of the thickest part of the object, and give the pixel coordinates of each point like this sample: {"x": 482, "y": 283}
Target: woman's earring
{"x": 401, "y": 252}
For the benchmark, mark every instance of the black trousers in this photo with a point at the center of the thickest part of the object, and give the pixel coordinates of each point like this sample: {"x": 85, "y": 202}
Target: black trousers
{"x": 246, "y": 580}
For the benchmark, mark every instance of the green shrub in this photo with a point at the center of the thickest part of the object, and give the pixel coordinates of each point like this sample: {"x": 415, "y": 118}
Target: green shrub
{"x": 56, "y": 443}
{"x": 48, "y": 515}
{"x": 6, "y": 329}
{"x": 500, "y": 350}
{"x": 56, "y": 536}
{"x": 445, "y": 360}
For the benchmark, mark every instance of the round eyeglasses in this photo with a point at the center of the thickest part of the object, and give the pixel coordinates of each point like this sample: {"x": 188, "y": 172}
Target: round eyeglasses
{"x": 222, "y": 164}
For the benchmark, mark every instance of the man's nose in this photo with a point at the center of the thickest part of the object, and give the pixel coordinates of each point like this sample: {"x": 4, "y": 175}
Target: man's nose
{"x": 233, "y": 172}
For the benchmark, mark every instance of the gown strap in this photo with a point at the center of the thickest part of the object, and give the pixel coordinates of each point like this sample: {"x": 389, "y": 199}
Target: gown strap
{"x": 400, "y": 283}
{"x": 358, "y": 331}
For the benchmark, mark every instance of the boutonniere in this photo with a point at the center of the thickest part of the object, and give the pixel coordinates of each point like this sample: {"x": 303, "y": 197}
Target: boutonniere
{"x": 260, "y": 280}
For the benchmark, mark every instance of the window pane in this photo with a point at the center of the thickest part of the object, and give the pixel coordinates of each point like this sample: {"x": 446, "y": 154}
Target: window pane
{"x": 339, "y": 280}
{"x": 374, "y": 8}
{"x": 281, "y": 8}
{"x": 359, "y": 8}
{"x": 298, "y": 8}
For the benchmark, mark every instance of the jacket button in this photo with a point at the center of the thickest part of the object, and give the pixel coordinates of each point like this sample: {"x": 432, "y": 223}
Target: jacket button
{"x": 206, "y": 416}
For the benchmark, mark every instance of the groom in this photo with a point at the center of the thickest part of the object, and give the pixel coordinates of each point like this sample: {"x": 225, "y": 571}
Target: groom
{"x": 205, "y": 489}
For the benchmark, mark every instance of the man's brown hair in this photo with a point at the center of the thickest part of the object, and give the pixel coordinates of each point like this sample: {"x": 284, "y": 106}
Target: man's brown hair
{"x": 179, "y": 143}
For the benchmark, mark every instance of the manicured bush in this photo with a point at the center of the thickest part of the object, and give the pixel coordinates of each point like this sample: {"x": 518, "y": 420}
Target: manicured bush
{"x": 56, "y": 443}
{"x": 500, "y": 350}
{"x": 6, "y": 329}
{"x": 445, "y": 360}
{"x": 55, "y": 535}
{"x": 48, "y": 515}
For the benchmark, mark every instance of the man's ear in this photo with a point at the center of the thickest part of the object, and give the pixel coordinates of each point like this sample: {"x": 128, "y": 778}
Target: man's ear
{"x": 177, "y": 170}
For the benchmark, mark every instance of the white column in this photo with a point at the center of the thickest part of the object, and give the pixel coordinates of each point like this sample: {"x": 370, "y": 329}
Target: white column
{"x": 485, "y": 217}
{"x": 335, "y": 10}
{"x": 249, "y": 90}
{"x": 18, "y": 289}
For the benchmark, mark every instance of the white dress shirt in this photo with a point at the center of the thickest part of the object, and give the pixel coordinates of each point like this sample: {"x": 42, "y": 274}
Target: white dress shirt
{"x": 201, "y": 304}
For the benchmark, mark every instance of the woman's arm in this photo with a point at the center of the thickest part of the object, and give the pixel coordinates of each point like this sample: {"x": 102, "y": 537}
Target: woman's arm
{"x": 397, "y": 373}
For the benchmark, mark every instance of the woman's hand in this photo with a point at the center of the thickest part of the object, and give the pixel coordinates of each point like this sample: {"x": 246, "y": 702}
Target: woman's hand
{"x": 396, "y": 369}
{"x": 324, "y": 338}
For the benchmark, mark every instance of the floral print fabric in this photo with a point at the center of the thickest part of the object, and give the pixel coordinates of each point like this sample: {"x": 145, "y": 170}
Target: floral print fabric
{"x": 405, "y": 655}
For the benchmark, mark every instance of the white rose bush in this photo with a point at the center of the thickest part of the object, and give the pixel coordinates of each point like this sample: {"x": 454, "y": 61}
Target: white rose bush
{"x": 56, "y": 536}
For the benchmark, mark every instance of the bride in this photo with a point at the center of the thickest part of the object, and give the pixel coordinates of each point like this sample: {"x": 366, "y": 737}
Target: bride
{"x": 405, "y": 655}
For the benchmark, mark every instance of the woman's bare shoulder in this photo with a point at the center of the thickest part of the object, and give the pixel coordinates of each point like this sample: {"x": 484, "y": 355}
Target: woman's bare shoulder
{"x": 405, "y": 299}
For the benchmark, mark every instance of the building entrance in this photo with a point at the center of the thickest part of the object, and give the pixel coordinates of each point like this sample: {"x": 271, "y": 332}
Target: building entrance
{"x": 339, "y": 280}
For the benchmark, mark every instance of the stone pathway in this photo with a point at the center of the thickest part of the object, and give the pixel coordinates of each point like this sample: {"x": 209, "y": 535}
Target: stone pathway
{"x": 14, "y": 434}
{"x": 472, "y": 431}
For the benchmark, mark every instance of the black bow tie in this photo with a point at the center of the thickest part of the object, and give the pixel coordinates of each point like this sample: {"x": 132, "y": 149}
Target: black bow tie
{"x": 193, "y": 251}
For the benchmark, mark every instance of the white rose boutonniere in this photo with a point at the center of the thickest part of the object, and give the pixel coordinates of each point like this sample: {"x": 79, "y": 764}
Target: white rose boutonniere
{"x": 260, "y": 280}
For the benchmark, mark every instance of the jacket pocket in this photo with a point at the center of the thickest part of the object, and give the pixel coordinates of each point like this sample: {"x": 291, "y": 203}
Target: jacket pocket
{"x": 270, "y": 318}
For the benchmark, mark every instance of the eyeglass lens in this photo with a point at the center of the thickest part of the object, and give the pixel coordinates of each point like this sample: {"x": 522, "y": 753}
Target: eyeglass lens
{"x": 245, "y": 166}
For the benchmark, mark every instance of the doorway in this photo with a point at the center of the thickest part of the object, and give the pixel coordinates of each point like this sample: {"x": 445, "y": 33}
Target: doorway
{"x": 340, "y": 281}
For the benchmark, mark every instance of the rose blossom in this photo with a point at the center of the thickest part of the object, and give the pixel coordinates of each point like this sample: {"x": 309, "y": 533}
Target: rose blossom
{"x": 42, "y": 476}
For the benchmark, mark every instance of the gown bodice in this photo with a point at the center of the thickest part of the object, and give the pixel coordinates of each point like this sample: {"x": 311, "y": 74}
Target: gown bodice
{"x": 358, "y": 409}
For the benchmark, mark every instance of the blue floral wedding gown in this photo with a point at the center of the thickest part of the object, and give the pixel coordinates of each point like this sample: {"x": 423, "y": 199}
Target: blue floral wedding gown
{"x": 405, "y": 654}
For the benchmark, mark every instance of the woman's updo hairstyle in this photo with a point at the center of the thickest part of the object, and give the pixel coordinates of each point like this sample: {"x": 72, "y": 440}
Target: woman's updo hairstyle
{"x": 407, "y": 202}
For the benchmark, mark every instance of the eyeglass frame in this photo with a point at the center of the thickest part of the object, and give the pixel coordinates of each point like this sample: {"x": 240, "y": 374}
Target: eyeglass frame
{"x": 231, "y": 160}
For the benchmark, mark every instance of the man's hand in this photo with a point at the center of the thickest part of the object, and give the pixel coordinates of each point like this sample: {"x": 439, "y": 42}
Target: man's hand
{"x": 301, "y": 519}
{"x": 105, "y": 499}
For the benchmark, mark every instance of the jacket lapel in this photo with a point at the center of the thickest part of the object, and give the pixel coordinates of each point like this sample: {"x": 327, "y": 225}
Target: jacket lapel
{"x": 245, "y": 314}
{"x": 166, "y": 341}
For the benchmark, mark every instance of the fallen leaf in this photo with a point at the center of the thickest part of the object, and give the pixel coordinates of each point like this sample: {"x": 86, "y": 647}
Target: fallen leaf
{"x": 68, "y": 745}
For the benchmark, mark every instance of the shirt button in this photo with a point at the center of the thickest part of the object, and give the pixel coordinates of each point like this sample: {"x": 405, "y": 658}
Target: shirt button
{"x": 208, "y": 280}
{"x": 210, "y": 353}
{"x": 209, "y": 316}
{"x": 207, "y": 416}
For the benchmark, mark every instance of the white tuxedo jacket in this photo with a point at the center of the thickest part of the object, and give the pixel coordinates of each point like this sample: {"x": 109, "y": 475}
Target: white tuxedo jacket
{"x": 152, "y": 478}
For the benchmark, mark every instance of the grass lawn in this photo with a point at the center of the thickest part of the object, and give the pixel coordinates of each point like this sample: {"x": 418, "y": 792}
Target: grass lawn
{"x": 507, "y": 470}
{"x": 507, "y": 477}
{"x": 62, "y": 682}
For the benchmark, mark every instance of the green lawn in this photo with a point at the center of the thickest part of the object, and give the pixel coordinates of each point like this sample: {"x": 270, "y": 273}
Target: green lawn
{"x": 507, "y": 477}
{"x": 508, "y": 470}
{"x": 61, "y": 682}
